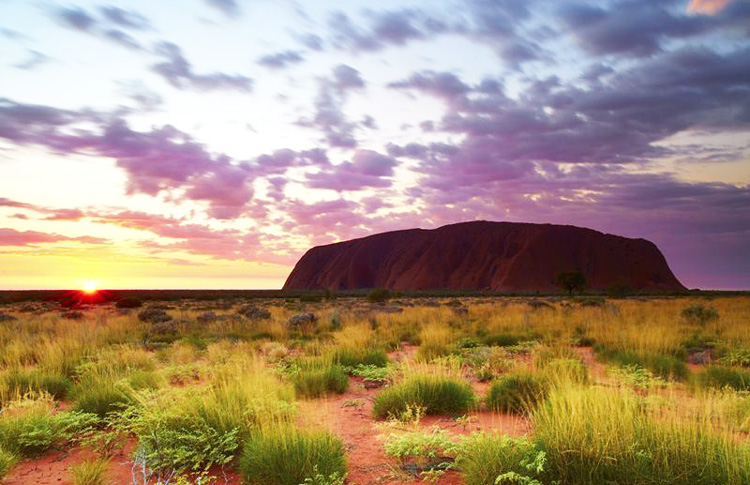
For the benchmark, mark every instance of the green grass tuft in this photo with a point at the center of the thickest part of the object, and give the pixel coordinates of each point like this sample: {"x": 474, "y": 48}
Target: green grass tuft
{"x": 284, "y": 455}
{"x": 433, "y": 393}
{"x": 516, "y": 393}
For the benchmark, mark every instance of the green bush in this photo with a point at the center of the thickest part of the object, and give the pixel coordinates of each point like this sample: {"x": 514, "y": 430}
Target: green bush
{"x": 35, "y": 430}
{"x": 720, "y": 377}
{"x": 515, "y": 393}
{"x": 284, "y": 455}
{"x": 317, "y": 378}
{"x": 18, "y": 382}
{"x": 434, "y": 394}
{"x": 7, "y": 460}
{"x": 700, "y": 314}
{"x": 484, "y": 457}
{"x": 504, "y": 339}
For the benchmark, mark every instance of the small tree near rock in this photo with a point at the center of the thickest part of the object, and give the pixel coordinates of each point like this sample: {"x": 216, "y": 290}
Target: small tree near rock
{"x": 571, "y": 281}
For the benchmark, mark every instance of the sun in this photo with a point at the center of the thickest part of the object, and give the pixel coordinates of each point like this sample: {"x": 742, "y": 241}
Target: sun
{"x": 90, "y": 287}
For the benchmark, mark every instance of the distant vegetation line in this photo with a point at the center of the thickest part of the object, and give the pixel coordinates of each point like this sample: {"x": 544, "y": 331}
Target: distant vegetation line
{"x": 14, "y": 296}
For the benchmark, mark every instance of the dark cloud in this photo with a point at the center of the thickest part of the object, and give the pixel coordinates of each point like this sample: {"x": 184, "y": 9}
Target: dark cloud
{"x": 76, "y": 18}
{"x": 178, "y": 72}
{"x": 230, "y": 8}
{"x": 311, "y": 41}
{"x": 281, "y": 60}
{"x": 443, "y": 84}
{"x": 346, "y": 78}
{"x": 128, "y": 19}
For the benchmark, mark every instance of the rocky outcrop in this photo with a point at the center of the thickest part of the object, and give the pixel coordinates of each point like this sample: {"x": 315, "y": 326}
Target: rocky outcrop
{"x": 482, "y": 255}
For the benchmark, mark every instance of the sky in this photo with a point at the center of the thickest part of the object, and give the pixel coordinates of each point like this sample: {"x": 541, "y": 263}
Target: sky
{"x": 209, "y": 143}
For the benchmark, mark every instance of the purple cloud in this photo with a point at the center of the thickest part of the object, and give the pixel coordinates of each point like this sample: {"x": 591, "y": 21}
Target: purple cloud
{"x": 367, "y": 169}
{"x": 230, "y": 8}
{"x": 11, "y": 237}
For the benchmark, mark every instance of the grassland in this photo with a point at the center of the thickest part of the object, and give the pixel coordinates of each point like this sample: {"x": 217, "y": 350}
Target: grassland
{"x": 475, "y": 390}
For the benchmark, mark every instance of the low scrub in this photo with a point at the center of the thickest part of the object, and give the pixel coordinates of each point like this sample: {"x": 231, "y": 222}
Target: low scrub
{"x": 662, "y": 365}
{"x": 435, "y": 394}
{"x": 284, "y": 455}
{"x": 721, "y": 377}
{"x": 516, "y": 393}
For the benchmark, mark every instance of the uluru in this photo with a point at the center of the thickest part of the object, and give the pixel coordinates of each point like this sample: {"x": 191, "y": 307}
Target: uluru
{"x": 484, "y": 255}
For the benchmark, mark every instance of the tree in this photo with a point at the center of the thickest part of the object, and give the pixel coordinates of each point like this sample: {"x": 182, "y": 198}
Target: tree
{"x": 571, "y": 281}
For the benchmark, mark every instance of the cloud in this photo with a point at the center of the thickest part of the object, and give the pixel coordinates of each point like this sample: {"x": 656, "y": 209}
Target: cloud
{"x": 128, "y": 19}
{"x": 367, "y": 169}
{"x": 281, "y": 60}
{"x": 329, "y": 115}
{"x": 35, "y": 59}
{"x": 12, "y": 237}
{"x": 109, "y": 28}
{"x": 230, "y": 8}
{"x": 445, "y": 84}
{"x": 76, "y": 18}
{"x": 178, "y": 72}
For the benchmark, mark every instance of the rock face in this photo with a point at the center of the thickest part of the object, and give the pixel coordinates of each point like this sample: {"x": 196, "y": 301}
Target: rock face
{"x": 482, "y": 255}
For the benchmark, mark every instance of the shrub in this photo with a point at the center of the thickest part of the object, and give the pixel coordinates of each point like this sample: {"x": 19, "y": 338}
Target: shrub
{"x": 737, "y": 357}
{"x": 170, "y": 441}
{"x": 378, "y": 295}
{"x": 89, "y": 472}
{"x": 317, "y": 377}
{"x": 30, "y": 428}
{"x": 515, "y": 393}
{"x": 18, "y": 382}
{"x": 720, "y": 377}
{"x": 503, "y": 339}
{"x": 434, "y": 393}
{"x": 483, "y": 457}
{"x": 7, "y": 460}
{"x": 700, "y": 314}
{"x": 283, "y": 455}
{"x": 426, "y": 452}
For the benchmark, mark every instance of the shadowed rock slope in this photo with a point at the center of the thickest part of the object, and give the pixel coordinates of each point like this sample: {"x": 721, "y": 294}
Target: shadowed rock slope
{"x": 482, "y": 255}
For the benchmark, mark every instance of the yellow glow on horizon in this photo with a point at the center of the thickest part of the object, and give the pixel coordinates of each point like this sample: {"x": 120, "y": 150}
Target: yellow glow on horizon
{"x": 90, "y": 287}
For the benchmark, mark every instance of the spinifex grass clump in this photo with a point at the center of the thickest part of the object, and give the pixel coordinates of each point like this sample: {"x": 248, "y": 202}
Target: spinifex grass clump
{"x": 354, "y": 356}
{"x": 316, "y": 377}
{"x": 17, "y": 382}
{"x": 286, "y": 455}
{"x": 516, "y": 393}
{"x": 593, "y": 436}
{"x": 436, "y": 341}
{"x": 90, "y": 472}
{"x": 435, "y": 394}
